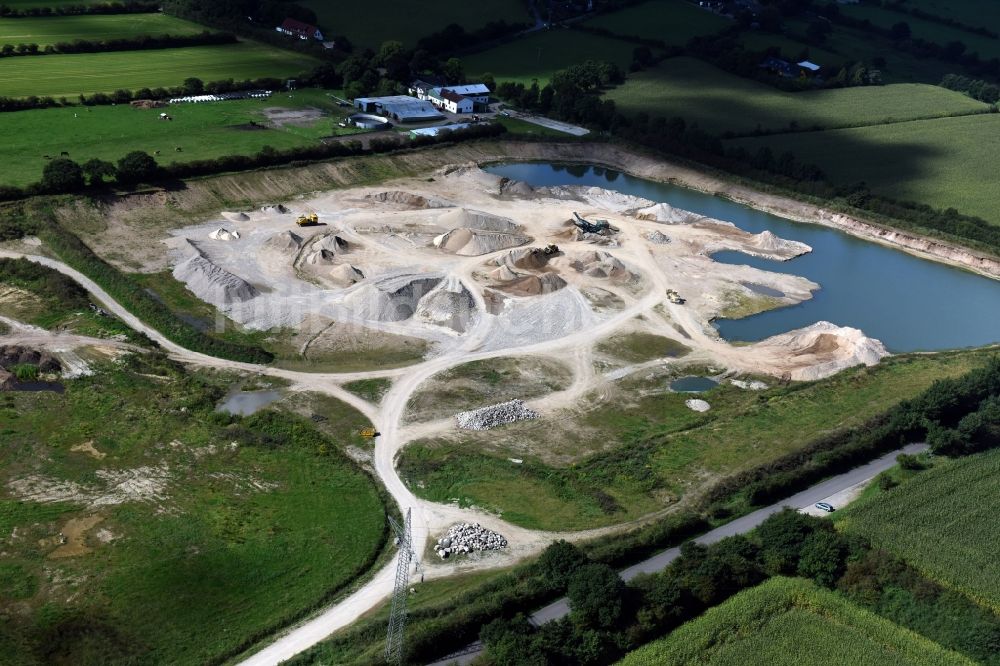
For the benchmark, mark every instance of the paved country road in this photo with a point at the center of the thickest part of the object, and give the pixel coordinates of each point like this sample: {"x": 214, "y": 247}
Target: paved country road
{"x": 801, "y": 500}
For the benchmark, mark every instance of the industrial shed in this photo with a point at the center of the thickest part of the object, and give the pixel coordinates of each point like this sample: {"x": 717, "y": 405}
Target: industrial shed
{"x": 401, "y": 108}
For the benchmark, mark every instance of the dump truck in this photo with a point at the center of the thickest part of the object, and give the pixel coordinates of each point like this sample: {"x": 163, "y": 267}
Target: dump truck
{"x": 595, "y": 227}
{"x": 308, "y": 220}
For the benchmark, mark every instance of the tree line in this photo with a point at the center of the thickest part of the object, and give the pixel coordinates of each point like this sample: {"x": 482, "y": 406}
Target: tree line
{"x": 130, "y": 7}
{"x": 984, "y": 91}
{"x": 140, "y": 43}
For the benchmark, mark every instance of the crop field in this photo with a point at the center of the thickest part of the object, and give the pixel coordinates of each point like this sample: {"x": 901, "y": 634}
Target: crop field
{"x": 788, "y": 622}
{"x": 673, "y": 21}
{"x": 986, "y": 47}
{"x": 719, "y": 101}
{"x": 541, "y": 54}
{"x": 201, "y": 131}
{"x": 53, "y": 29}
{"x": 942, "y": 521}
{"x": 241, "y": 523}
{"x": 71, "y": 75}
{"x": 947, "y": 163}
{"x": 626, "y": 456}
{"x": 370, "y": 24}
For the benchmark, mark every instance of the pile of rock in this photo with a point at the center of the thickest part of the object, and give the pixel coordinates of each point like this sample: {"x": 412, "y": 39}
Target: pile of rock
{"x": 465, "y": 538}
{"x": 485, "y": 418}
{"x": 14, "y": 355}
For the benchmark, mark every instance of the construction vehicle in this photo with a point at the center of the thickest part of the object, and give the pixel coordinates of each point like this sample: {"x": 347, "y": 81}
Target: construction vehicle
{"x": 674, "y": 297}
{"x": 550, "y": 250}
{"x": 369, "y": 432}
{"x": 595, "y": 227}
{"x": 309, "y": 220}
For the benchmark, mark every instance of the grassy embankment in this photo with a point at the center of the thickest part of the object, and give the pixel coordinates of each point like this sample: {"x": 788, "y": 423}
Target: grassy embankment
{"x": 92, "y": 27}
{"x": 942, "y": 521}
{"x": 639, "y": 448}
{"x": 367, "y": 25}
{"x": 787, "y": 622}
{"x": 85, "y": 73}
{"x": 243, "y": 523}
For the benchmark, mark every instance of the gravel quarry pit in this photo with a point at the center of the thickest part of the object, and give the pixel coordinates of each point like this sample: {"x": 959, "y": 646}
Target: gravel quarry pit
{"x": 461, "y": 261}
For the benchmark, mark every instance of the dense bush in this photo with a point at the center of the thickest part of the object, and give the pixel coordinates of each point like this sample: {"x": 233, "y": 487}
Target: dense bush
{"x": 129, "y": 7}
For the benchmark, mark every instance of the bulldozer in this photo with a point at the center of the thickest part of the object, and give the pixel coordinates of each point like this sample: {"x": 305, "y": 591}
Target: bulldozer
{"x": 309, "y": 220}
{"x": 674, "y": 297}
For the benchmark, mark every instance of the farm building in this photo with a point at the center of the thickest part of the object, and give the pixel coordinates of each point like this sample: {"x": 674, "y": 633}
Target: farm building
{"x": 435, "y": 131}
{"x": 299, "y": 29}
{"x": 808, "y": 68}
{"x": 422, "y": 87}
{"x": 401, "y": 108}
{"x": 445, "y": 98}
{"x": 477, "y": 92}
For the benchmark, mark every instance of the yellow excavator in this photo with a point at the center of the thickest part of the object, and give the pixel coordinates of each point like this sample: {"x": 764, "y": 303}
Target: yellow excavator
{"x": 308, "y": 220}
{"x": 369, "y": 432}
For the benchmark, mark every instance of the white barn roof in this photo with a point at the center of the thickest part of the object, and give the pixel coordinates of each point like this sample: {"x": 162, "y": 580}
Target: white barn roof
{"x": 470, "y": 90}
{"x": 811, "y": 66}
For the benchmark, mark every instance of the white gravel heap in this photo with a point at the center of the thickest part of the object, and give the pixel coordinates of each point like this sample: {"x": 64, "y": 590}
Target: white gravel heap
{"x": 468, "y": 538}
{"x": 485, "y": 418}
{"x": 697, "y": 405}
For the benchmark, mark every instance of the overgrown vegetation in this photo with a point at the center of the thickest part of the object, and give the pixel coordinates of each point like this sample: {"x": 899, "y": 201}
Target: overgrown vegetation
{"x": 254, "y": 521}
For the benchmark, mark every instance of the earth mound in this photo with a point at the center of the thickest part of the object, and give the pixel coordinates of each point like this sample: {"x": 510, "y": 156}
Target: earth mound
{"x": 450, "y": 304}
{"x": 391, "y": 298}
{"x": 474, "y": 242}
{"x": 345, "y": 275}
{"x": 285, "y": 242}
{"x": 823, "y": 349}
{"x": 407, "y": 199}
{"x": 473, "y": 219}
{"x": 664, "y": 212}
{"x": 221, "y": 234}
{"x": 236, "y": 217}
{"x": 211, "y": 283}
{"x": 534, "y": 285}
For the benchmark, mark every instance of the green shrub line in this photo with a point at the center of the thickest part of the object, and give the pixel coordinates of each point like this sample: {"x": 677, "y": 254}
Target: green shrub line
{"x": 143, "y": 43}
{"x": 128, "y": 7}
{"x": 75, "y": 253}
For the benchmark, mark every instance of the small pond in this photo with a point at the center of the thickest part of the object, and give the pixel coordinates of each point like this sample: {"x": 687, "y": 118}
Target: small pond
{"x": 692, "y": 384}
{"x": 246, "y": 403}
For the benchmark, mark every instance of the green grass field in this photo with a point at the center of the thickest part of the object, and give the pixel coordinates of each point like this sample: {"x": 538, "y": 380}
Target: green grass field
{"x": 201, "y": 130}
{"x": 790, "y": 622}
{"x": 641, "y": 446}
{"x": 949, "y": 162}
{"x": 541, "y": 54}
{"x": 970, "y": 12}
{"x": 932, "y": 31}
{"x": 32, "y": 4}
{"x": 719, "y": 101}
{"x": 673, "y": 21}
{"x": 52, "y": 29}
{"x": 370, "y": 24}
{"x": 211, "y": 544}
{"x": 942, "y": 521}
{"x": 71, "y": 75}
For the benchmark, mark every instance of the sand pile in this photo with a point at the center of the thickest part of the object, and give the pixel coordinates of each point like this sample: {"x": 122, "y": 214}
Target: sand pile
{"x": 345, "y": 275}
{"x": 664, "y": 212}
{"x": 515, "y": 188}
{"x": 767, "y": 242}
{"x": 601, "y": 265}
{"x": 236, "y": 217}
{"x": 320, "y": 257}
{"x": 211, "y": 283}
{"x": 391, "y": 298}
{"x": 407, "y": 199}
{"x": 324, "y": 250}
{"x": 450, "y": 304}
{"x": 658, "y": 238}
{"x": 530, "y": 258}
{"x": 823, "y": 349}
{"x": 285, "y": 242}
{"x": 697, "y": 405}
{"x": 275, "y": 208}
{"x": 221, "y": 234}
{"x": 486, "y": 418}
{"x": 474, "y": 242}
{"x": 534, "y": 285}
{"x": 473, "y": 219}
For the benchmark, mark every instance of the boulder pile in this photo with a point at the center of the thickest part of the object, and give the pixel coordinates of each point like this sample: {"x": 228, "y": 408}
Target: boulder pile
{"x": 466, "y": 538}
{"x": 503, "y": 413}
